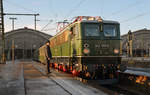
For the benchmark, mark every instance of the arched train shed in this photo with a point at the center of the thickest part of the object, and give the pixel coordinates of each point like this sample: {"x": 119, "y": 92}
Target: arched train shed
{"x": 26, "y": 41}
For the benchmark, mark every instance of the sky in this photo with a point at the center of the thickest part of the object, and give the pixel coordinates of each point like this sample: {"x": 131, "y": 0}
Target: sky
{"x": 132, "y": 14}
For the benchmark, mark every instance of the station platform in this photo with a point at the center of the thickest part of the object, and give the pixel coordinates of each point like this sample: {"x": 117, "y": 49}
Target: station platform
{"x": 67, "y": 82}
{"x": 30, "y": 78}
{"x": 11, "y": 79}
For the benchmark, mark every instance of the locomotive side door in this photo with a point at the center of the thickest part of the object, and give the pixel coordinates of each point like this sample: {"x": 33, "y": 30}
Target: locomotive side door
{"x": 72, "y": 48}
{"x": 72, "y": 42}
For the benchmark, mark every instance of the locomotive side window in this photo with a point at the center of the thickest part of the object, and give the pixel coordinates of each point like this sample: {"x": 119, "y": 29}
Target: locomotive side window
{"x": 110, "y": 30}
{"x": 66, "y": 34}
{"x": 76, "y": 30}
{"x": 92, "y": 30}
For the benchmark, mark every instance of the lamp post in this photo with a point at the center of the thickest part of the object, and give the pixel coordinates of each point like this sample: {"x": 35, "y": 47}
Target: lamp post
{"x": 13, "y": 51}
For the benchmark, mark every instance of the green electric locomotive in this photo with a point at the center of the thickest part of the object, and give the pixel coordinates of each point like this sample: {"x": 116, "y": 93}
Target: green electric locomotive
{"x": 89, "y": 47}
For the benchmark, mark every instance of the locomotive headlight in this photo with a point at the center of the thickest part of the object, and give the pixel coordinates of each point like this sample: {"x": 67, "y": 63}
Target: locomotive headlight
{"x": 86, "y": 51}
{"x": 116, "y": 51}
{"x": 86, "y": 45}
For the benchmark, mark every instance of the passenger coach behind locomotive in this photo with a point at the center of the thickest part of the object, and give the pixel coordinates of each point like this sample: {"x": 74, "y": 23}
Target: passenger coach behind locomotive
{"x": 88, "y": 47}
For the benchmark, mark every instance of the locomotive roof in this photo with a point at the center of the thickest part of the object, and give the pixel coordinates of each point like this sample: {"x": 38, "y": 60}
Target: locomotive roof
{"x": 109, "y": 21}
{"x": 93, "y": 21}
{"x": 104, "y": 21}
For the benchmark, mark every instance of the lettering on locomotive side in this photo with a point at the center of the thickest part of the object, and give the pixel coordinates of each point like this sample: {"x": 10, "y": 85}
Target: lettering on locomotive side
{"x": 97, "y": 46}
{"x": 105, "y": 45}
{"x": 102, "y": 46}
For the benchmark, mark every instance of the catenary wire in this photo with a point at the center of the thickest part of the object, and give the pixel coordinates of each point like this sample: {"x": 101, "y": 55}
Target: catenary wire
{"x": 135, "y": 17}
{"x": 126, "y": 8}
{"x": 18, "y": 6}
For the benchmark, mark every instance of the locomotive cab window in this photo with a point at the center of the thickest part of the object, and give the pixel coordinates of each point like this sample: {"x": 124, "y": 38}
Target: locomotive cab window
{"x": 71, "y": 30}
{"x": 92, "y": 30}
{"x": 110, "y": 30}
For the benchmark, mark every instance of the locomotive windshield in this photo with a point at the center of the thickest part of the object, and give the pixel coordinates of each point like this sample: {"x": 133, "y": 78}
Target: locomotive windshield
{"x": 109, "y": 30}
{"x": 92, "y": 30}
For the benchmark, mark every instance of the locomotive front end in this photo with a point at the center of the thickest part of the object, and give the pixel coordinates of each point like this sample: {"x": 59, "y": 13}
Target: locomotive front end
{"x": 100, "y": 49}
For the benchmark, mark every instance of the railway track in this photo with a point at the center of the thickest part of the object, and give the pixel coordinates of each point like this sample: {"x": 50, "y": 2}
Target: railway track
{"x": 115, "y": 89}
{"x": 130, "y": 83}
{"x": 135, "y": 81}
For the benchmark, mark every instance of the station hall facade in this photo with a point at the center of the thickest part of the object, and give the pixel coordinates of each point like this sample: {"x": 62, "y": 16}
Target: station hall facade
{"x": 140, "y": 43}
{"x": 24, "y": 41}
